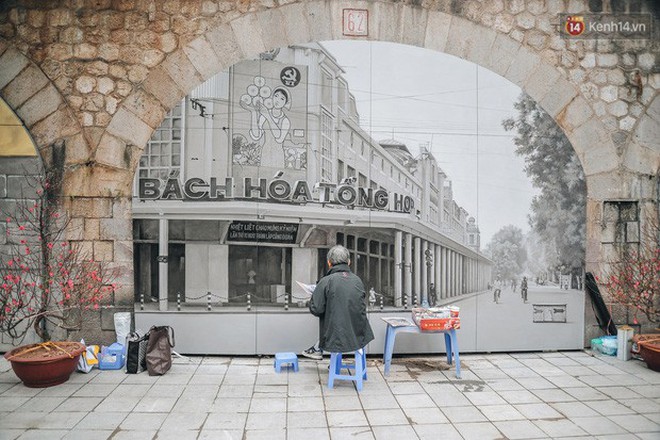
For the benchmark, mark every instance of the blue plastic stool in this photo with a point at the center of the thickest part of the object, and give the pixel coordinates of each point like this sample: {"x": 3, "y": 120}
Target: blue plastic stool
{"x": 286, "y": 358}
{"x": 360, "y": 369}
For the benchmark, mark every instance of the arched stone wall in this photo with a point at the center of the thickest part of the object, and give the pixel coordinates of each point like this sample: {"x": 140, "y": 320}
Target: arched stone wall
{"x": 101, "y": 75}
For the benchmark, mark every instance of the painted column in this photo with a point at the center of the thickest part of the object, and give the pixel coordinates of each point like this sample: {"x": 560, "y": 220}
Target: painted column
{"x": 445, "y": 273}
{"x": 407, "y": 267}
{"x": 424, "y": 293}
{"x": 398, "y": 266}
{"x": 163, "y": 241}
{"x": 417, "y": 271}
{"x": 437, "y": 268}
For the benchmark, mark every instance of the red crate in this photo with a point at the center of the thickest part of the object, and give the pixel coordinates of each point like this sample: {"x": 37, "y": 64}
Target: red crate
{"x": 439, "y": 323}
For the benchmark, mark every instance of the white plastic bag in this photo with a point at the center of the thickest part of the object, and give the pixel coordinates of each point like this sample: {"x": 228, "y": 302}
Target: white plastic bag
{"x": 88, "y": 359}
{"x": 122, "y": 326}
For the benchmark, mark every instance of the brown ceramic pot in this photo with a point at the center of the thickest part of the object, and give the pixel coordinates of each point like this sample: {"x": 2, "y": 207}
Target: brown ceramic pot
{"x": 46, "y": 366}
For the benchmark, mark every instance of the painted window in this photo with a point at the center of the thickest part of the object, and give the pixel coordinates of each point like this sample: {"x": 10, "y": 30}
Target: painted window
{"x": 163, "y": 154}
{"x": 326, "y": 146}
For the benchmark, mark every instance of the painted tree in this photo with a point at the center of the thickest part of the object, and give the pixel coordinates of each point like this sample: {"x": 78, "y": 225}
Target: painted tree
{"x": 558, "y": 213}
{"x": 46, "y": 279}
{"x": 507, "y": 250}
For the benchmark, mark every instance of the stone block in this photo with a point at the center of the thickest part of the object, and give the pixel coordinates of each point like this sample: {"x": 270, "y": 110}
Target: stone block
{"x": 12, "y": 62}
{"x": 273, "y": 30}
{"x": 163, "y": 87}
{"x": 296, "y": 25}
{"x": 103, "y": 251}
{"x": 25, "y": 85}
{"x": 642, "y": 160}
{"x": 437, "y": 30}
{"x": 77, "y": 151}
{"x": 76, "y": 229}
{"x": 91, "y": 207}
{"x": 20, "y": 187}
{"x": 503, "y": 53}
{"x": 248, "y": 35}
{"x": 203, "y": 57}
{"x": 385, "y": 22}
{"x": 112, "y": 152}
{"x": 43, "y": 103}
{"x": 59, "y": 124}
{"x": 542, "y": 81}
{"x": 563, "y": 92}
{"x": 576, "y": 113}
{"x": 648, "y": 133}
{"x": 146, "y": 107}
{"x": 223, "y": 42}
{"x": 522, "y": 66}
{"x": 413, "y": 25}
{"x": 91, "y": 229}
{"x": 116, "y": 229}
{"x": 123, "y": 251}
{"x": 122, "y": 207}
{"x": 125, "y": 293}
{"x": 179, "y": 67}
{"x": 320, "y": 28}
{"x": 128, "y": 127}
{"x": 23, "y": 165}
{"x": 3, "y": 187}
{"x": 600, "y": 160}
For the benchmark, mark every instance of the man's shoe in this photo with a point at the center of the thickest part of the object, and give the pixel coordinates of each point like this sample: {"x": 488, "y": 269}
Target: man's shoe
{"x": 313, "y": 353}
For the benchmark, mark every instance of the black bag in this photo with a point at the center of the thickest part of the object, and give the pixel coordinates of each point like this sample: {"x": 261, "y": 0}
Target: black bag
{"x": 136, "y": 353}
{"x": 159, "y": 350}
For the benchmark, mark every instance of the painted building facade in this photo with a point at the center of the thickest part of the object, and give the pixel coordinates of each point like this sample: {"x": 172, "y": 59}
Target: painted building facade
{"x": 259, "y": 171}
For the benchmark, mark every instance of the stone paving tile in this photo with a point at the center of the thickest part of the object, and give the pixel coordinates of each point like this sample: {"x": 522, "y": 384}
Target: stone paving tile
{"x": 183, "y": 422}
{"x": 636, "y": 423}
{"x": 574, "y": 409}
{"x": 310, "y": 419}
{"x": 380, "y": 417}
{"x": 307, "y": 434}
{"x": 425, "y": 416}
{"x": 178, "y": 435}
{"x": 499, "y": 413}
{"x": 519, "y": 397}
{"x": 478, "y": 431}
{"x": 548, "y": 395}
{"x": 352, "y": 433}
{"x": 84, "y": 434}
{"x": 295, "y": 404}
{"x": 520, "y": 429}
{"x": 225, "y": 421}
{"x": 346, "y": 418}
{"x": 553, "y": 395}
{"x": 394, "y": 432}
{"x": 537, "y": 411}
{"x": 431, "y": 432}
{"x": 598, "y": 425}
{"x": 463, "y": 414}
{"x": 379, "y": 401}
{"x": 559, "y": 428}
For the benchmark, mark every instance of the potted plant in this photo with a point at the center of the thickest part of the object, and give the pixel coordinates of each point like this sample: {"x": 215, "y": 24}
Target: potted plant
{"x": 633, "y": 281}
{"x": 47, "y": 284}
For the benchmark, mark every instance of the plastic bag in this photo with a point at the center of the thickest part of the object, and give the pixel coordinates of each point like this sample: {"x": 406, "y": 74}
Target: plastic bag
{"x": 89, "y": 358}
{"x": 122, "y": 326}
{"x": 609, "y": 345}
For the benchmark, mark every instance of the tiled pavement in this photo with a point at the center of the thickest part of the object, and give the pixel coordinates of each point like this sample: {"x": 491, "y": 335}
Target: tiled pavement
{"x": 516, "y": 396}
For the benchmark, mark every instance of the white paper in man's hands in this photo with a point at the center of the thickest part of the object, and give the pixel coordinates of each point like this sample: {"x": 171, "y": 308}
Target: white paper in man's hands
{"x": 308, "y": 288}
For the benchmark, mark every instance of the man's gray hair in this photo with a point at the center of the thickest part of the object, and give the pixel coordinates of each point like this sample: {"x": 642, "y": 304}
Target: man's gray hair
{"x": 338, "y": 254}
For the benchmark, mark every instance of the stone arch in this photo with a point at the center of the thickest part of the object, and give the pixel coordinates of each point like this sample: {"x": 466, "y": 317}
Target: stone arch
{"x": 256, "y": 32}
{"x": 38, "y": 104}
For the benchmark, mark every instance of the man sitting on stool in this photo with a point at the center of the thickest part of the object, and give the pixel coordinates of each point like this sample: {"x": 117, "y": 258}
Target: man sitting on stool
{"x": 339, "y": 302}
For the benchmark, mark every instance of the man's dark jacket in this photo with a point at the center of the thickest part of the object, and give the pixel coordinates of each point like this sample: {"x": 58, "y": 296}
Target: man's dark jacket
{"x": 339, "y": 302}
